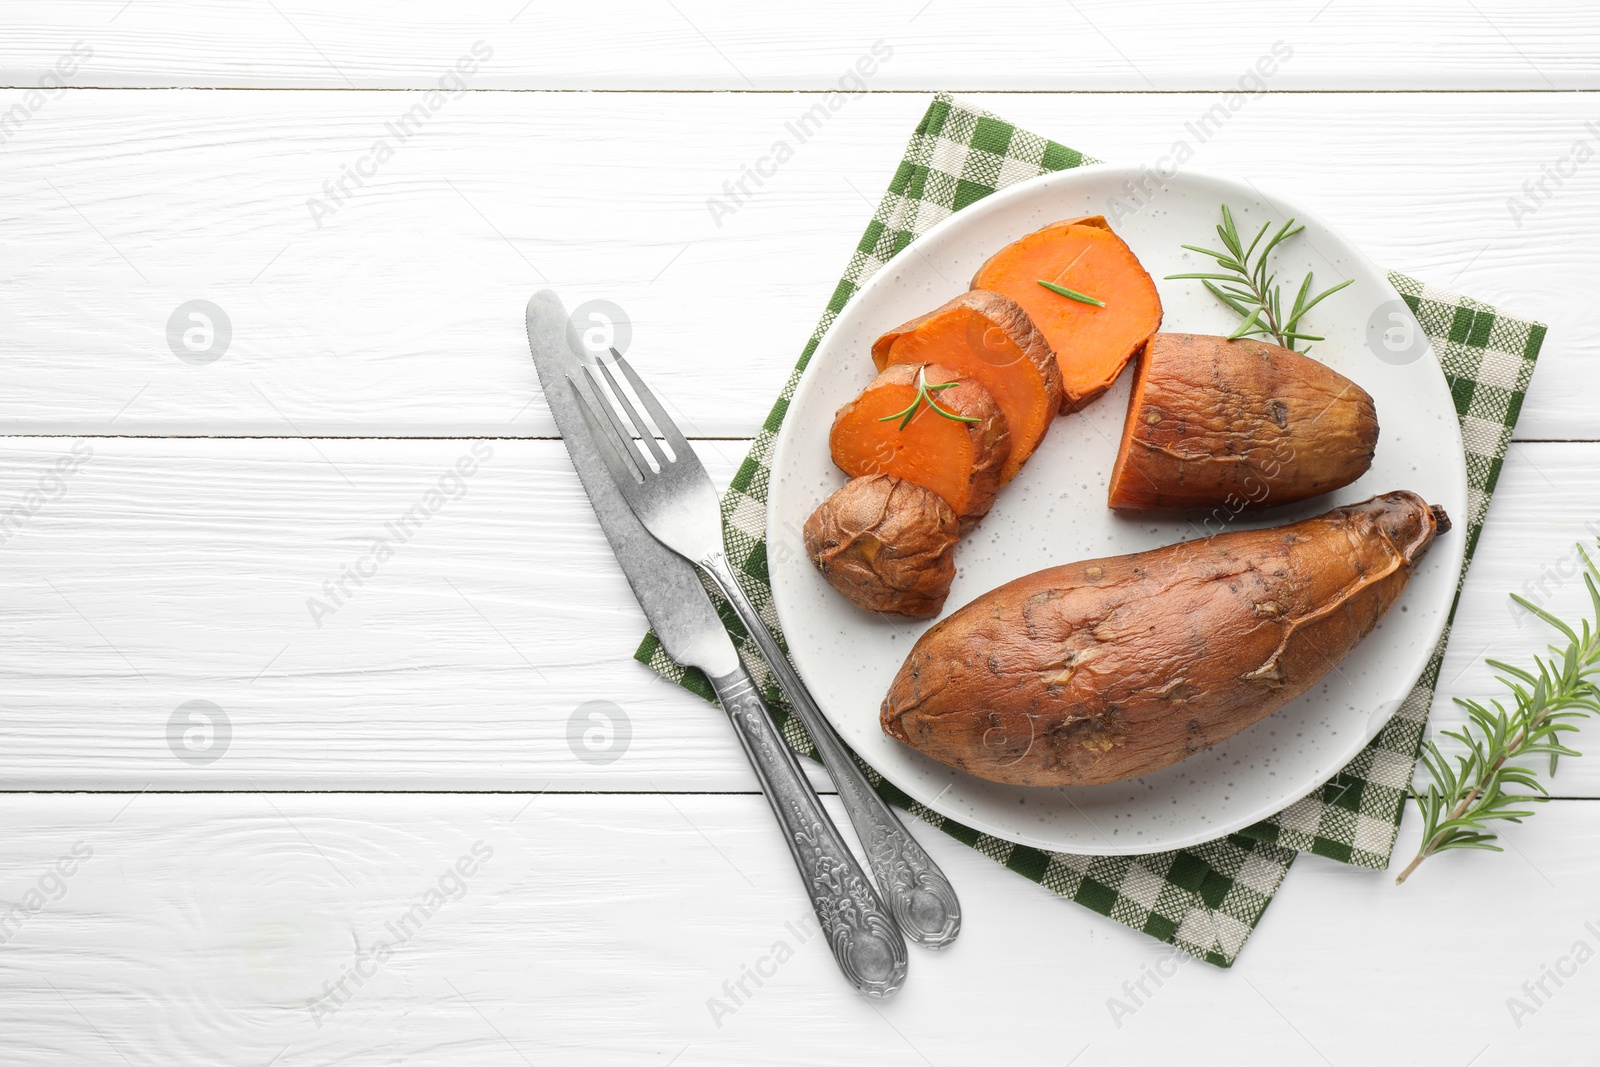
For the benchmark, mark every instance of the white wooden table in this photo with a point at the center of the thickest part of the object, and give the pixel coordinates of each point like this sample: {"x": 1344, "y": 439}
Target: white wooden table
{"x": 223, "y": 876}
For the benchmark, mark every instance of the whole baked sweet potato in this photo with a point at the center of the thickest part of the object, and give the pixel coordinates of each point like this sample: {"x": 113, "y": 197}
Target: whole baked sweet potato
{"x": 886, "y": 544}
{"x": 1238, "y": 424}
{"x": 1113, "y": 668}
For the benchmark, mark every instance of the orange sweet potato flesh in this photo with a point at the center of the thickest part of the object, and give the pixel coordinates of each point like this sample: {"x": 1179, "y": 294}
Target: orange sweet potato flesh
{"x": 1092, "y": 344}
{"x": 1114, "y": 668}
{"x": 960, "y": 461}
{"x": 1236, "y": 425}
{"x": 886, "y": 545}
{"x": 990, "y": 339}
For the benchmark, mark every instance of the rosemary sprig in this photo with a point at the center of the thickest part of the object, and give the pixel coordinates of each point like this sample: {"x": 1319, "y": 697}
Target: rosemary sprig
{"x": 925, "y": 396}
{"x": 1072, "y": 294}
{"x": 1250, "y": 289}
{"x": 1490, "y": 783}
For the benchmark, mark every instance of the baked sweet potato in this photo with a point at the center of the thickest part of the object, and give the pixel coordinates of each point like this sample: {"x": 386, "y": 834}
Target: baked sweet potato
{"x": 1240, "y": 424}
{"x": 990, "y": 339}
{"x": 1092, "y": 344}
{"x": 956, "y": 449}
{"x": 1113, "y": 668}
{"x": 886, "y": 544}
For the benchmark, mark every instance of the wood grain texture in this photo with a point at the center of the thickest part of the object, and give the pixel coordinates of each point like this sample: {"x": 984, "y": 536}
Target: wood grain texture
{"x": 169, "y": 571}
{"x": 702, "y": 44}
{"x": 402, "y": 313}
{"x": 600, "y": 929}
{"x": 467, "y": 657}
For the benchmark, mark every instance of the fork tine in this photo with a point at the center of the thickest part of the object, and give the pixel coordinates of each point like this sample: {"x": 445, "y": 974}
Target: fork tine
{"x": 664, "y": 423}
{"x": 623, "y": 469}
{"x": 632, "y": 413}
{"x": 620, "y": 435}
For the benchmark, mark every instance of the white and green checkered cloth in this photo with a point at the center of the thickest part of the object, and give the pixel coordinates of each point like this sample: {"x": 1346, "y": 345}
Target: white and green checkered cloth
{"x": 1205, "y": 899}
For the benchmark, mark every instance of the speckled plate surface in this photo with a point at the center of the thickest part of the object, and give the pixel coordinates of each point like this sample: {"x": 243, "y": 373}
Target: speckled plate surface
{"x": 1054, "y": 512}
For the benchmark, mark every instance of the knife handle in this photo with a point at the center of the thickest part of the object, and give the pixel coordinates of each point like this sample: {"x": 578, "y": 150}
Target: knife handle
{"x": 857, "y": 927}
{"x": 920, "y": 897}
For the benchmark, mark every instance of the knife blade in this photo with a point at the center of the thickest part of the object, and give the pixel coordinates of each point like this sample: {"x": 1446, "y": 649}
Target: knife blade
{"x": 666, "y": 585}
{"x": 860, "y": 932}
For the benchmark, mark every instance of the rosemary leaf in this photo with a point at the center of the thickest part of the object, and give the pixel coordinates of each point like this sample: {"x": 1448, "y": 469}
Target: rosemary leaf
{"x": 925, "y": 396}
{"x": 1072, "y": 294}
{"x": 1490, "y": 781}
{"x": 1252, "y": 289}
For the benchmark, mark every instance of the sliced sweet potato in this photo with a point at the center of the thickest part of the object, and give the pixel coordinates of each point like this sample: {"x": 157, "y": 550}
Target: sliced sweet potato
{"x": 886, "y": 544}
{"x": 1240, "y": 424}
{"x": 937, "y": 449}
{"x": 989, "y": 338}
{"x": 1091, "y": 343}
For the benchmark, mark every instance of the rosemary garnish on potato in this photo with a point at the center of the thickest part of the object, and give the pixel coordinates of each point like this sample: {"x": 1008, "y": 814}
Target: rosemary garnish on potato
{"x": 1072, "y": 294}
{"x": 1251, "y": 290}
{"x": 925, "y": 396}
{"x": 1489, "y": 782}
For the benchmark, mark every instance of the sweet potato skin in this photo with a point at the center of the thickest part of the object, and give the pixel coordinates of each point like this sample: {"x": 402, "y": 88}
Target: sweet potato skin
{"x": 886, "y": 545}
{"x": 1002, "y": 344}
{"x": 1113, "y": 668}
{"x": 1238, "y": 424}
{"x": 862, "y": 445}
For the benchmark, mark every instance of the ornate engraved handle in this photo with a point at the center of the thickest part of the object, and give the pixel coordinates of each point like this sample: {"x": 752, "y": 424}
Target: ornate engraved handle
{"x": 858, "y": 929}
{"x": 920, "y": 897}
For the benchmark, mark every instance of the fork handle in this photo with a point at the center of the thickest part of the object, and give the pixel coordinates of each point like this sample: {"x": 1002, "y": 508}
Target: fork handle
{"x": 919, "y": 896}
{"x": 858, "y": 929}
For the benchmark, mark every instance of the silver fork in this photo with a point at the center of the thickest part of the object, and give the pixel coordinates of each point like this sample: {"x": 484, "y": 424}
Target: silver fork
{"x": 676, "y": 501}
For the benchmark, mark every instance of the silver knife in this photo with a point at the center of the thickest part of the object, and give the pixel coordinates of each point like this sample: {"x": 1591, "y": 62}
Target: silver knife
{"x": 864, "y": 939}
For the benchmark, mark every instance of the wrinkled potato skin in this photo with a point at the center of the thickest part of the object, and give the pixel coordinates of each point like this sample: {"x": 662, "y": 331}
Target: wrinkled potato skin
{"x": 1238, "y": 424}
{"x": 1113, "y": 668}
{"x": 886, "y": 544}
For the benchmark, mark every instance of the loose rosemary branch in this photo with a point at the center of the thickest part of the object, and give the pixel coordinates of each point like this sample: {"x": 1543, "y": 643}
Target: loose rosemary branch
{"x": 925, "y": 396}
{"x": 1490, "y": 783}
{"x": 1249, "y": 288}
{"x": 1071, "y": 294}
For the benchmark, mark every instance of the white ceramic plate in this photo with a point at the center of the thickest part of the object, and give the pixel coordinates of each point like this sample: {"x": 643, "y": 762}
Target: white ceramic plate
{"x": 1054, "y": 512}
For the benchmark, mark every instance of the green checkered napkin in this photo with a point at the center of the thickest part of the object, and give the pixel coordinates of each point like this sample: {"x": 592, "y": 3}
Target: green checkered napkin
{"x": 1206, "y": 899}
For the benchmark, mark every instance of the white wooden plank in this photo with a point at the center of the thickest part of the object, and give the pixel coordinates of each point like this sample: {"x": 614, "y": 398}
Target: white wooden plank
{"x": 175, "y": 571}
{"x": 401, "y": 314}
{"x": 198, "y": 927}
{"x": 1547, "y": 504}
{"x": 1097, "y": 44}
{"x": 601, "y": 928}
{"x": 170, "y": 571}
